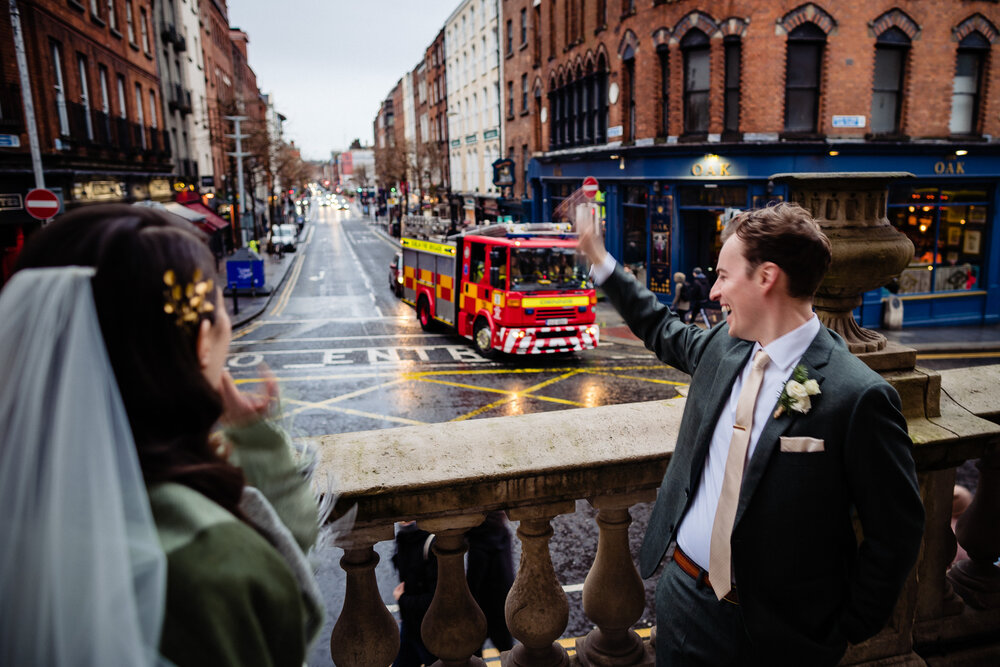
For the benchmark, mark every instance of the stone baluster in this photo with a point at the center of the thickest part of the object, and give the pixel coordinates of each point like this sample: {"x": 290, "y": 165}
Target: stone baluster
{"x": 613, "y": 594}
{"x": 366, "y": 634}
{"x": 537, "y": 609}
{"x": 454, "y": 627}
{"x": 977, "y": 579}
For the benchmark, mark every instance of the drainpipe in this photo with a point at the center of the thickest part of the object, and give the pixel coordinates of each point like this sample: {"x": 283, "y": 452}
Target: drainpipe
{"x": 26, "y": 97}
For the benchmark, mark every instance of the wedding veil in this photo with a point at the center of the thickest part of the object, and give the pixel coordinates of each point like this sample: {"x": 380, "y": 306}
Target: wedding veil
{"x": 82, "y": 573}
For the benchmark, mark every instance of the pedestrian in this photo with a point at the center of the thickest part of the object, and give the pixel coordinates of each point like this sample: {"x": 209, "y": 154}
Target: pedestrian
{"x": 699, "y": 295}
{"x": 491, "y": 574}
{"x": 786, "y": 438}
{"x": 133, "y": 533}
{"x": 682, "y": 296}
{"x": 416, "y": 564}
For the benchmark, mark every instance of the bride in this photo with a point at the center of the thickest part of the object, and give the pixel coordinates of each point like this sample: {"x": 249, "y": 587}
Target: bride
{"x": 135, "y": 532}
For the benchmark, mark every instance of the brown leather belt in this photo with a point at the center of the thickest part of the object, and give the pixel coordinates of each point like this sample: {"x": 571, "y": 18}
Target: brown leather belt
{"x": 690, "y": 568}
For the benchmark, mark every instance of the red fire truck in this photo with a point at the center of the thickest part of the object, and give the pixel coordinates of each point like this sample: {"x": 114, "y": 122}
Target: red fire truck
{"x": 512, "y": 288}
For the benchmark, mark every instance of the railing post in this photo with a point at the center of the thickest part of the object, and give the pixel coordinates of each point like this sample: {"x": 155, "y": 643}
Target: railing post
{"x": 454, "y": 627}
{"x": 537, "y": 609}
{"x": 366, "y": 634}
{"x": 613, "y": 594}
{"x": 977, "y": 579}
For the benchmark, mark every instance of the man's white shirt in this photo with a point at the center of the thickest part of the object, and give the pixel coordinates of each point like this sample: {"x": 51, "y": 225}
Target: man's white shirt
{"x": 694, "y": 535}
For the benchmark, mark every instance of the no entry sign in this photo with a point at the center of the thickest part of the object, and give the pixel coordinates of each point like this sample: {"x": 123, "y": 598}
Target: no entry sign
{"x": 41, "y": 203}
{"x": 590, "y": 187}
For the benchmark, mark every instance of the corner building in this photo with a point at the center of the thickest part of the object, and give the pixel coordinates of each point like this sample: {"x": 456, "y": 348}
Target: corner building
{"x": 684, "y": 111}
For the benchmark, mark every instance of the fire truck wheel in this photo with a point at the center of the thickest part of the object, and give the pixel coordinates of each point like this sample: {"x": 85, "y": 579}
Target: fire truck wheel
{"x": 424, "y": 314}
{"x": 482, "y": 338}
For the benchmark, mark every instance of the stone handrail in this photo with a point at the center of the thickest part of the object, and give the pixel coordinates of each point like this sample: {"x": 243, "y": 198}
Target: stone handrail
{"x": 446, "y": 477}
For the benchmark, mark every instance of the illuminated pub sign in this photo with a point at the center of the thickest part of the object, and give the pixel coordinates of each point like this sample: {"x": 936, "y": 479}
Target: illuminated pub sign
{"x": 660, "y": 214}
{"x": 503, "y": 172}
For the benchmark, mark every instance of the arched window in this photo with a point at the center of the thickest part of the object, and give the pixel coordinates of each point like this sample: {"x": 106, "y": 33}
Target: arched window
{"x": 600, "y": 108}
{"x": 966, "y": 91}
{"x": 663, "y": 55}
{"x": 628, "y": 58}
{"x": 731, "y": 110}
{"x": 583, "y": 135}
{"x": 695, "y": 47}
{"x": 803, "y": 77}
{"x": 891, "y": 50}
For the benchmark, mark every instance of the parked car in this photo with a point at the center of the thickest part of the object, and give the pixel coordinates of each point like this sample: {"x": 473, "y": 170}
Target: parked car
{"x": 283, "y": 237}
{"x": 396, "y": 274}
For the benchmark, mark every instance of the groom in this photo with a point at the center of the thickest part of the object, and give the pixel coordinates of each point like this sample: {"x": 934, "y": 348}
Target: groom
{"x": 786, "y": 437}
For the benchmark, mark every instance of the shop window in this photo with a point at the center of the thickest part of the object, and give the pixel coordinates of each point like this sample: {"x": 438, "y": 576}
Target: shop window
{"x": 731, "y": 124}
{"x": 965, "y": 103}
{"x": 948, "y": 236}
{"x": 695, "y": 47}
{"x": 634, "y": 228}
{"x": 891, "y": 51}
{"x": 663, "y": 55}
{"x": 732, "y": 196}
{"x": 802, "y": 78}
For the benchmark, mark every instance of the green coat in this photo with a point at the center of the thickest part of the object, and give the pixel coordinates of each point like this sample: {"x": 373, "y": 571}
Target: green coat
{"x": 806, "y": 586}
{"x": 232, "y": 599}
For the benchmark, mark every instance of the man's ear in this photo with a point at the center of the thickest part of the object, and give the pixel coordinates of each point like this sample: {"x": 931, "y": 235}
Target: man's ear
{"x": 203, "y": 345}
{"x": 769, "y": 274}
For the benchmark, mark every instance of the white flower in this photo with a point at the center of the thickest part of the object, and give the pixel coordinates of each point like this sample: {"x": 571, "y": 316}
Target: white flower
{"x": 811, "y": 386}
{"x": 799, "y": 395}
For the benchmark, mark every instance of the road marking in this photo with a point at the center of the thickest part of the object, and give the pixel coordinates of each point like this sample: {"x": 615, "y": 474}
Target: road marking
{"x": 508, "y": 392}
{"x": 253, "y": 326}
{"x": 307, "y": 405}
{"x": 289, "y": 287}
{"x": 526, "y": 393}
{"x": 333, "y": 339}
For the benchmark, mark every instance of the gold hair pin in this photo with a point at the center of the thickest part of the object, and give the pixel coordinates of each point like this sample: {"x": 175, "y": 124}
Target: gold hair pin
{"x": 190, "y": 301}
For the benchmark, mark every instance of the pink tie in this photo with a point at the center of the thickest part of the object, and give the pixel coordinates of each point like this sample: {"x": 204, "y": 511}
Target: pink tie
{"x": 720, "y": 555}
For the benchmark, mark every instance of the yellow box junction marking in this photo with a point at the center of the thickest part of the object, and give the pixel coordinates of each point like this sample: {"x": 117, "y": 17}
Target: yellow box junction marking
{"x": 429, "y": 246}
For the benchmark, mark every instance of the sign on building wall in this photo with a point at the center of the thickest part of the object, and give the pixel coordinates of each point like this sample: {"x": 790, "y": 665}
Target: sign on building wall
{"x": 848, "y": 121}
{"x": 661, "y": 206}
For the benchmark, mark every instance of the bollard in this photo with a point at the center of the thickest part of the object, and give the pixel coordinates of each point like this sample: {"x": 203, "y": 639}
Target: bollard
{"x": 236, "y": 303}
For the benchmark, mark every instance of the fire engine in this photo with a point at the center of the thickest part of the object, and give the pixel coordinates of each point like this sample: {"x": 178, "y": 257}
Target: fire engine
{"x": 511, "y": 288}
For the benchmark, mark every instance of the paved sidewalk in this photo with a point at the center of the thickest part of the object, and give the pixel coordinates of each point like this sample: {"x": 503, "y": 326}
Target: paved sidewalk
{"x": 926, "y": 340}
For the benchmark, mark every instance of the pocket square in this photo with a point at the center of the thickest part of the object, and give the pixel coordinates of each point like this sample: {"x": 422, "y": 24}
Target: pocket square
{"x": 801, "y": 445}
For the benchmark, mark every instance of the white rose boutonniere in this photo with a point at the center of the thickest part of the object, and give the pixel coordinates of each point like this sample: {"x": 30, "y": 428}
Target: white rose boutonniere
{"x": 795, "y": 396}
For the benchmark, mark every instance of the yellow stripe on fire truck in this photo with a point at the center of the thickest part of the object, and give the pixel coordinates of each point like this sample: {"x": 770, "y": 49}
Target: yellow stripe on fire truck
{"x": 428, "y": 246}
{"x": 541, "y": 302}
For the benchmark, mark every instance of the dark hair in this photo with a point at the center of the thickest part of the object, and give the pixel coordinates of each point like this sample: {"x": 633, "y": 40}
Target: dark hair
{"x": 170, "y": 405}
{"x": 787, "y": 235}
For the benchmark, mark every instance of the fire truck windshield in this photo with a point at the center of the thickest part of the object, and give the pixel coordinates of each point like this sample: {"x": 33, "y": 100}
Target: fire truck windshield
{"x": 539, "y": 269}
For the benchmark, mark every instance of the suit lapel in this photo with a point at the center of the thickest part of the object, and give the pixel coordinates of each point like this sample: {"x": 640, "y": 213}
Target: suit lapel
{"x": 729, "y": 367}
{"x": 816, "y": 357}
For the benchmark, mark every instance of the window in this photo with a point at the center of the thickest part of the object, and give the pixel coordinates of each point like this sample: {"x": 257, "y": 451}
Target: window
{"x": 524, "y": 93}
{"x": 105, "y": 97}
{"x": 731, "y": 121}
{"x": 891, "y": 50}
{"x": 144, "y": 29}
{"x": 524, "y": 27}
{"x": 664, "y": 57}
{"x": 695, "y": 47}
{"x": 88, "y": 123}
{"x": 510, "y": 37}
{"x": 94, "y": 10}
{"x": 141, "y": 129}
{"x": 629, "y": 58}
{"x": 510, "y": 99}
{"x": 628, "y": 7}
{"x": 60, "y": 90}
{"x": 122, "y": 109}
{"x": 552, "y": 29}
{"x": 536, "y": 37}
{"x": 152, "y": 109}
{"x": 965, "y": 94}
{"x": 129, "y": 24}
{"x": 948, "y": 228}
{"x": 802, "y": 78}
{"x": 112, "y": 16}
{"x": 602, "y": 14}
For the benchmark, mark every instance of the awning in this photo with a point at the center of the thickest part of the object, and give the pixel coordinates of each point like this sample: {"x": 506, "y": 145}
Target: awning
{"x": 211, "y": 219}
{"x": 184, "y": 220}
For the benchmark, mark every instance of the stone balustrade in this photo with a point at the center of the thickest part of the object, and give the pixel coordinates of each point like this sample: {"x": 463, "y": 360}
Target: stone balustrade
{"x": 447, "y": 476}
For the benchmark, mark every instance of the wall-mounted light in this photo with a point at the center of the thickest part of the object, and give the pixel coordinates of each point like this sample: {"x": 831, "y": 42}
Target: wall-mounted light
{"x": 834, "y": 153}
{"x": 621, "y": 163}
{"x": 711, "y": 157}
{"x": 961, "y": 151}
{"x": 614, "y": 157}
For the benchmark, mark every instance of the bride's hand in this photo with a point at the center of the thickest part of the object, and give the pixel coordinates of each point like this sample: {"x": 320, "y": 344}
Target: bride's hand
{"x": 240, "y": 409}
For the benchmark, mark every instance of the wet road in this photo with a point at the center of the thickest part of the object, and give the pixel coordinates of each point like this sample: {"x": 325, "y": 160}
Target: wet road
{"x": 349, "y": 356}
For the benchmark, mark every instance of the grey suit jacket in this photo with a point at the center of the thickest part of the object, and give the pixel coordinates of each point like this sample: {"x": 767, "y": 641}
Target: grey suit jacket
{"x": 805, "y": 583}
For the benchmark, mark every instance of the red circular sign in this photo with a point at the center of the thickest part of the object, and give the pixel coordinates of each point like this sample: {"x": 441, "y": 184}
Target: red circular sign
{"x": 41, "y": 203}
{"x": 590, "y": 187}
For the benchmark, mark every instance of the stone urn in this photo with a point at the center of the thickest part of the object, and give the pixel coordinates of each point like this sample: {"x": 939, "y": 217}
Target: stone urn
{"x": 868, "y": 251}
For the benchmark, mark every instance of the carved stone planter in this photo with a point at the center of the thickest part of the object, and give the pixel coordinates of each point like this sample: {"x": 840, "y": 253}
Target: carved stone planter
{"x": 867, "y": 250}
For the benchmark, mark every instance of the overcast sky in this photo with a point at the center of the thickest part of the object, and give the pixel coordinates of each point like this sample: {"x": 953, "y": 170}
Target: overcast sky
{"x": 330, "y": 63}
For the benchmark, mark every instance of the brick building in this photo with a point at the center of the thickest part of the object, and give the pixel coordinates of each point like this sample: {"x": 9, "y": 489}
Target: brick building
{"x": 97, "y": 105}
{"x": 683, "y": 112}
{"x": 217, "y": 53}
{"x": 437, "y": 116}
